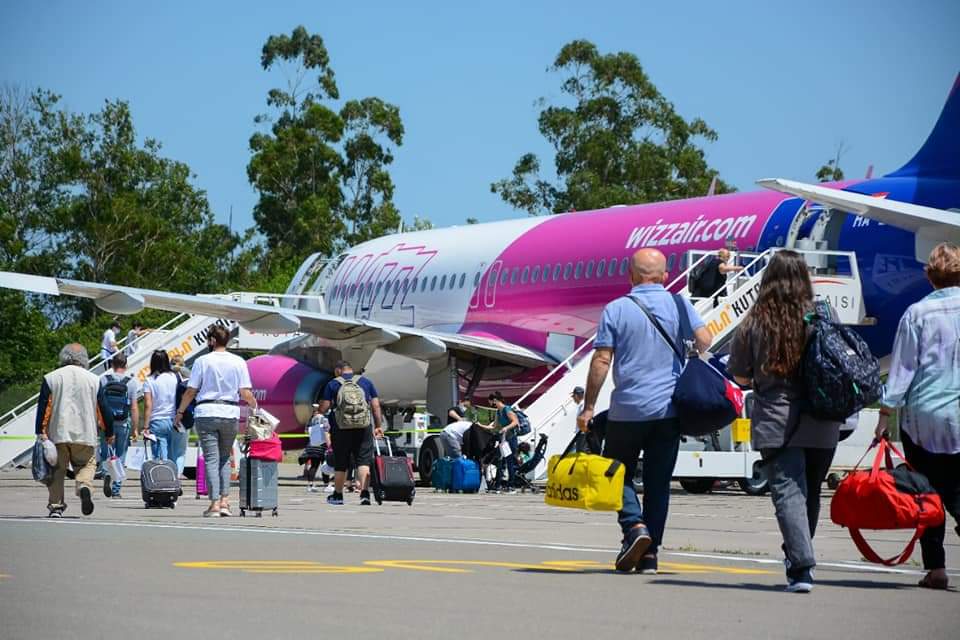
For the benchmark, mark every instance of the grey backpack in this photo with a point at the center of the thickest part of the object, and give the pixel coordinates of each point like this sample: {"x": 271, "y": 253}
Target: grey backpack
{"x": 353, "y": 411}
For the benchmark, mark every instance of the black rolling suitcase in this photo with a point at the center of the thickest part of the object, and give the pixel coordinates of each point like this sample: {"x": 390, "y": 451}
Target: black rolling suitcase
{"x": 392, "y": 477}
{"x": 159, "y": 483}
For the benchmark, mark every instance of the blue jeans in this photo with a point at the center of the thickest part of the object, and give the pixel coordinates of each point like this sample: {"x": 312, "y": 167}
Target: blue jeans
{"x": 508, "y": 463}
{"x": 178, "y": 448}
{"x": 163, "y": 447}
{"x": 121, "y": 434}
{"x": 659, "y": 440}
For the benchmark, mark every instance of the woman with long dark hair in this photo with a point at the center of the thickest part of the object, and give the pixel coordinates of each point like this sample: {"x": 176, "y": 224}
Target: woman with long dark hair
{"x": 797, "y": 449}
{"x": 159, "y": 407}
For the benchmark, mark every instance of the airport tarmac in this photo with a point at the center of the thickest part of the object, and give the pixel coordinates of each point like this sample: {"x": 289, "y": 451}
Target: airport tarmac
{"x": 488, "y": 566}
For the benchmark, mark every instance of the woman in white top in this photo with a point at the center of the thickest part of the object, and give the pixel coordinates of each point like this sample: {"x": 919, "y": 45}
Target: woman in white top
{"x": 159, "y": 404}
{"x": 218, "y": 380}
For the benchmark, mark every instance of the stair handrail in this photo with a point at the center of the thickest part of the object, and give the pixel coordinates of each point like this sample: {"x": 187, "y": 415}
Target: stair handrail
{"x": 564, "y": 363}
{"x": 96, "y": 361}
{"x": 686, "y": 274}
{"x": 760, "y": 256}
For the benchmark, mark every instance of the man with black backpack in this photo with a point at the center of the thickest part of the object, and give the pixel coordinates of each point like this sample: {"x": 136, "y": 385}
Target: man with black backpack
{"x": 354, "y": 422}
{"x": 117, "y": 399}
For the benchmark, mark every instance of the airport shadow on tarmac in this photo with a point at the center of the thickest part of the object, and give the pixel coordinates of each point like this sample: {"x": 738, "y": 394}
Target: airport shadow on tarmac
{"x": 750, "y": 586}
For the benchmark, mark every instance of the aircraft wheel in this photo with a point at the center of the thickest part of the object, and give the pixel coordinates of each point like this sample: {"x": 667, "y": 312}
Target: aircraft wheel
{"x": 697, "y": 485}
{"x": 430, "y": 450}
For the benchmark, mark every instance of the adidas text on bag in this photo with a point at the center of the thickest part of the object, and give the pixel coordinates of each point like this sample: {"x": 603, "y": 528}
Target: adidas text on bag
{"x": 353, "y": 411}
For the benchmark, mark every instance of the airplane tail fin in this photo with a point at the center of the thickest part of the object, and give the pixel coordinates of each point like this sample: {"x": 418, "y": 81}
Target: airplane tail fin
{"x": 939, "y": 157}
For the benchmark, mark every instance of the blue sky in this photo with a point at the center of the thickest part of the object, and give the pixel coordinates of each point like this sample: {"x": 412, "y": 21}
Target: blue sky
{"x": 782, "y": 83}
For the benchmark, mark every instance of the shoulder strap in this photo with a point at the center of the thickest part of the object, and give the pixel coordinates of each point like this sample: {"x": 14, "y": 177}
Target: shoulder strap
{"x": 864, "y": 547}
{"x": 660, "y": 329}
{"x": 686, "y": 329}
{"x": 340, "y": 379}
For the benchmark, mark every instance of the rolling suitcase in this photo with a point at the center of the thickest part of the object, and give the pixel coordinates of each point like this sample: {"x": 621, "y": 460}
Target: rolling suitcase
{"x": 441, "y": 474}
{"x": 258, "y": 486}
{"x": 392, "y": 477}
{"x": 159, "y": 482}
{"x": 465, "y": 476}
{"x": 201, "y": 476}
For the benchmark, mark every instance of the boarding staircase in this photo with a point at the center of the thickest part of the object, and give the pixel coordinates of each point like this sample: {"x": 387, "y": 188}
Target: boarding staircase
{"x": 184, "y": 335}
{"x": 553, "y": 412}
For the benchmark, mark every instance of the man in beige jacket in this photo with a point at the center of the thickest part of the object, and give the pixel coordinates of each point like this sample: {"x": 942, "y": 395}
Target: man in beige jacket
{"x": 68, "y": 415}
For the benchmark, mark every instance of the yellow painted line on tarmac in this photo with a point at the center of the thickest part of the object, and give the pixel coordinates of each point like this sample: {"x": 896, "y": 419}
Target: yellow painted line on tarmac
{"x": 289, "y": 567}
{"x": 275, "y": 566}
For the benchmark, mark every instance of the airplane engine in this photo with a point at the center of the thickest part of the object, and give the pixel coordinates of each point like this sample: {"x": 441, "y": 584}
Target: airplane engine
{"x": 287, "y": 388}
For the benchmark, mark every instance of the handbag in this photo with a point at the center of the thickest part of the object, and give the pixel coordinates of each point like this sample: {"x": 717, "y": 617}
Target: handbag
{"x": 42, "y": 470}
{"x": 261, "y": 425}
{"x": 268, "y": 449}
{"x": 114, "y": 467}
{"x": 588, "y": 481}
{"x": 704, "y": 399}
{"x": 505, "y": 450}
{"x": 891, "y": 498}
{"x": 136, "y": 456}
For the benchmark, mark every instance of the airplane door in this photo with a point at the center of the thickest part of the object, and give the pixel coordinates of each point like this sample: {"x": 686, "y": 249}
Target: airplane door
{"x": 477, "y": 287}
{"x": 493, "y": 277}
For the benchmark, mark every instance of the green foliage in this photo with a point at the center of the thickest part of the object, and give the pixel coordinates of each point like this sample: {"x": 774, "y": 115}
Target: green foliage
{"x": 472, "y": 221}
{"x": 419, "y": 224}
{"x": 831, "y": 171}
{"x": 321, "y": 172}
{"x": 617, "y": 140}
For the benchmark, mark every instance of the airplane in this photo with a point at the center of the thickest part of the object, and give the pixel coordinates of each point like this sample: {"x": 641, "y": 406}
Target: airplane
{"x": 433, "y": 315}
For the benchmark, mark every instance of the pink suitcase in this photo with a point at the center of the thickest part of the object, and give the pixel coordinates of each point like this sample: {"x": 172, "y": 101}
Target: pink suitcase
{"x": 201, "y": 476}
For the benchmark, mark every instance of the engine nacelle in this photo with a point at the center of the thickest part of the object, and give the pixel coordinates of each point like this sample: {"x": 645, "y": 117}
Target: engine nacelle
{"x": 287, "y": 388}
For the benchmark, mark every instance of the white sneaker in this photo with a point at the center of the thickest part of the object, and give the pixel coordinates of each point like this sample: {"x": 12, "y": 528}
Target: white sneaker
{"x": 312, "y": 489}
{"x": 799, "y": 586}
{"x": 328, "y": 488}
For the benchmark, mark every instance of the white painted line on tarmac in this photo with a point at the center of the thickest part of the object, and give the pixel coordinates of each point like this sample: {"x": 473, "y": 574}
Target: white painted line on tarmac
{"x": 849, "y": 566}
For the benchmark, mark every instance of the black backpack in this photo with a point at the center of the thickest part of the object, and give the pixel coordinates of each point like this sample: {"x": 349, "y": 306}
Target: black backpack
{"x": 701, "y": 279}
{"x": 840, "y": 376}
{"x": 113, "y": 400}
{"x": 187, "y": 419}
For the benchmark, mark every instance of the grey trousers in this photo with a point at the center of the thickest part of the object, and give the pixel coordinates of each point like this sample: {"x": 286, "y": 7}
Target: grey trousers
{"x": 216, "y": 440}
{"x": 451, "y": 446}
{"x": 796, "y": 476}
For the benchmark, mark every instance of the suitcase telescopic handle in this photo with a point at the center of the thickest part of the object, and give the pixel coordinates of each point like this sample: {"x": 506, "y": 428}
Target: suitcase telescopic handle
{"x": 376, "y": 444}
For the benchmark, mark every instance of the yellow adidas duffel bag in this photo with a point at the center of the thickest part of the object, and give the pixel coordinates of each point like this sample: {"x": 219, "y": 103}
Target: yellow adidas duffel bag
{"x": 584, "y": 481}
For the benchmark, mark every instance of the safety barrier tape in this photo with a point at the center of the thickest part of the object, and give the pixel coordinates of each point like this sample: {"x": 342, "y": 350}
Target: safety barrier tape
{"x": 283, "y": 436}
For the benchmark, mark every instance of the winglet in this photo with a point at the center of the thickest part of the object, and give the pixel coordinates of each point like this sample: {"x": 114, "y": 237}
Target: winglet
{"x": 939, "y": 157}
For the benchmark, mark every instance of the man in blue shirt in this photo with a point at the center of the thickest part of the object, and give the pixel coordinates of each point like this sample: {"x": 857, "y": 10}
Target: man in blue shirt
{"x": 347, "y": 443}
{"x": 641, "y": 416}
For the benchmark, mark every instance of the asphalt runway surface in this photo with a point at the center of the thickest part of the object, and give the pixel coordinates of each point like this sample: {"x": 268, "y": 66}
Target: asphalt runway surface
{"x": 475, "y": 566}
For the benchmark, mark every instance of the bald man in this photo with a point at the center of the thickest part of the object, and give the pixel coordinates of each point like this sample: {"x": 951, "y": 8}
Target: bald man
{"x": 641, "y": 416}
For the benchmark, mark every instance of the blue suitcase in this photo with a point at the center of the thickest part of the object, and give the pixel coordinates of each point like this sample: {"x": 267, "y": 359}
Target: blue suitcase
{"x": 465, "y": 476}
{"x": 441, "y": 475}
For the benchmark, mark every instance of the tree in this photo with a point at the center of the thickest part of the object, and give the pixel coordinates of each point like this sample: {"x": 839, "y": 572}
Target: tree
{"x": 617, "y": 140}
{"x": 831, "y": 171}
{"x": 131, "y": 216}
{"x": 419, "y": 224}
{"x": 472, "y": 221}
{"x": 321, "y": 173}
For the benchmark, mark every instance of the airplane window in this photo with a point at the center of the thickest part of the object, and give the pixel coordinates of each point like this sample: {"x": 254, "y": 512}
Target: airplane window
{"x": 379, "y": 287}
{"x": 589, "y": 272}
{"x": 535, "y": 275}
{"x": 556, "y": 272}
{"x": 406, "y": 285}
{"x": 514, "y": 274}
{"x": 413, "y": 287}
{"x": 423, "y": 284}
{"x": 601, "y": 266}
{"x": 567, "y": 270}
{"x": 578, "y": 271}
{"x": 525, "y": 275}
{"x": 623, "y": 266}
{"x": 433, "y": 283}
{"x": 463, "y": 279}
{"x": 504, "y": 275}
{"x": 353, "y": 290}
{"x": 612, "y": 267}
{"x": 671, "y": 259}
{"x": 476, "y": 280}
{"x": 443, "y": 282}
{"x": 491, "y": 278}
{"x": 453, "y": 280}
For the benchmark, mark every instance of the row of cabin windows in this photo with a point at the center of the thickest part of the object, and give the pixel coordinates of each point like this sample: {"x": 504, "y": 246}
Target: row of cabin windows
{"x": 602, "y": 268}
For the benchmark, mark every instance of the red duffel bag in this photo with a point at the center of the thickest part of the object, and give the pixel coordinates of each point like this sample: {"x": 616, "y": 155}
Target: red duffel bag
{"x": 268, "y": 449}
{"x": 887, "y": 498}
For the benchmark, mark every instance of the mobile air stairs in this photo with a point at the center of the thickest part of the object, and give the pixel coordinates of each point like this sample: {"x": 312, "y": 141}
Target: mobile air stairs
{"x": 725, "y": 454}
{"x": 183, "y": 335}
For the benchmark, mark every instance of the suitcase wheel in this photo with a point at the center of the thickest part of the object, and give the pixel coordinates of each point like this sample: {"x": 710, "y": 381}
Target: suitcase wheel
{"x": 275, "y": 514}
{"x": 259, "y": 514}
{"x": 243, "y": 513}
{"x": 378, "y": 496}
{"x": 410, "y": 501}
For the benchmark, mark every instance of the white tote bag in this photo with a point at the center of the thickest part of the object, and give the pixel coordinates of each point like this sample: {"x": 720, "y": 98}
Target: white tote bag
{"x": 136, "y": 456}
{"x": 114, "y": 467}
{"x": 505, "y": 449}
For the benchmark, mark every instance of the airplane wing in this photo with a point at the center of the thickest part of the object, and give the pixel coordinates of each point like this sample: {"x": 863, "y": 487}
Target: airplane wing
{"x": 930, "y": 225}
{"x": 420, "y": 344}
